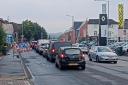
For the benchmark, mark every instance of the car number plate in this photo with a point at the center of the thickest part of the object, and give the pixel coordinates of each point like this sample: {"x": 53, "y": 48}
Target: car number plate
{"x": 72, "y": 64}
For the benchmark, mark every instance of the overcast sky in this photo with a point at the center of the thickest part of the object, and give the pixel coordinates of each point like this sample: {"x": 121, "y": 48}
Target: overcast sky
{"x": 51, "y": 14}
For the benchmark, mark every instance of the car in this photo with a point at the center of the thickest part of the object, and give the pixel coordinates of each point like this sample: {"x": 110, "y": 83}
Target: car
{"x": 83, "y": 47}
{"x": 53, "y": 49}
{"x": 70, "y": 56}
{"x": 45, "y": 48}
{"x": 102, "y": 53}
{"x": 40, "y": 44}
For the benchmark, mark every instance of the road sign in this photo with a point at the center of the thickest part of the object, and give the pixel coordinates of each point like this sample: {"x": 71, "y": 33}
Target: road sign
{"x": 103, "y": 19}
{"x": 9, "y": 39}
{"x": 104, "y": 30}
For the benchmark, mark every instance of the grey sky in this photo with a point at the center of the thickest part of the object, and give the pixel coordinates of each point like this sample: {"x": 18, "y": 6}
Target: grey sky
{"x": 51, "y": 14}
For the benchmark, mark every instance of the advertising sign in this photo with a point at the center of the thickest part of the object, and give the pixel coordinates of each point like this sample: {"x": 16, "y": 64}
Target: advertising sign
{"x": 121, "y": 16}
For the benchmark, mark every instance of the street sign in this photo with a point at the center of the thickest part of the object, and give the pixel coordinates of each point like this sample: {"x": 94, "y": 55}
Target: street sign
{"x": 9, "y": 39}
{"x": 104, "y": 30}
{"x": 103, "y": 19}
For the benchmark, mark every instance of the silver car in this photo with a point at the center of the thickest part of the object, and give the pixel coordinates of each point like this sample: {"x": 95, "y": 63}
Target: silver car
{"x": 102, "y": 53}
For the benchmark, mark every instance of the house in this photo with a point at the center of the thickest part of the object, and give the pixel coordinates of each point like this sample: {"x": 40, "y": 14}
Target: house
{"x": 90, "y": 30}
{"x": 123, "y": 33}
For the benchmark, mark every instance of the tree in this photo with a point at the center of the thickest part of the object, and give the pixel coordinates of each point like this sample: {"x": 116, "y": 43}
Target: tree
{"x": 2, "y": 38}
{"x": 33, "y": 31}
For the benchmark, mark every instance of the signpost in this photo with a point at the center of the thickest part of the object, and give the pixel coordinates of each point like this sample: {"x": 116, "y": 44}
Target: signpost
{"x": 103, "y": 29}
{"x": 9, "y": 39}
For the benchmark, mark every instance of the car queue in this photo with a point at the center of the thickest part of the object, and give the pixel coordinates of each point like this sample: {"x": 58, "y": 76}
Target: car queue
{"x": 66, "y": 54}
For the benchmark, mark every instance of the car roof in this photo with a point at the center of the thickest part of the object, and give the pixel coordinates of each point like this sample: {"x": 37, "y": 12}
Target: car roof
{"x": 68, "y": 47}
{"x": 60, "y": 42}
{"x": 100, "y": 46}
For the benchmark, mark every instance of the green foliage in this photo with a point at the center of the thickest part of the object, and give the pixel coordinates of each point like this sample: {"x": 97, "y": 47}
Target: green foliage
{"x": 33, "y": 31}
{"x": 2, "y": 38}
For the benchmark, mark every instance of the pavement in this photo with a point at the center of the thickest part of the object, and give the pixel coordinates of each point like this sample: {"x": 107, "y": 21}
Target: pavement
{"x": 12, "y": 71}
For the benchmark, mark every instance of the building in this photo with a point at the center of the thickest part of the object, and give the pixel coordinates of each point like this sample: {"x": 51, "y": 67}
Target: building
{"x": 90, "y": 30}
{"x": 123, "y": 33}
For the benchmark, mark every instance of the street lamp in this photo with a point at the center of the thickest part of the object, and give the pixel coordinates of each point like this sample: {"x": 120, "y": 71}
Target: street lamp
{"x": 107, "y": 18}
{"x": 22, "y": 36}
{"x": 73, "y": 25}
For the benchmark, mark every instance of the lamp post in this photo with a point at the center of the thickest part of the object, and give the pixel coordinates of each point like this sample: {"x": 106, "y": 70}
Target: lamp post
{"x": 73, "y": 25}
{"x": 22, "y": 33}
{"x": 107, "y": 18}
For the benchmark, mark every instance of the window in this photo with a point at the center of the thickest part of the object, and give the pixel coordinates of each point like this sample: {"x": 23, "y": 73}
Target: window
{"x": 72, "y": 51}
{"x": 95, "y": 33}
{"x": 109, "y": 34}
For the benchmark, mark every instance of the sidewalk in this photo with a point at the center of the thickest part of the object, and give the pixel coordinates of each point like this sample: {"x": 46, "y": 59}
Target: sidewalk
{"x": 12, "y": 71}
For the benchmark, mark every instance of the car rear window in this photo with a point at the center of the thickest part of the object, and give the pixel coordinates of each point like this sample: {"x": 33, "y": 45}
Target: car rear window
{"x": 61, "y": 44}
{"x": 104, "y": 49}
{"x": 72, "y": 51}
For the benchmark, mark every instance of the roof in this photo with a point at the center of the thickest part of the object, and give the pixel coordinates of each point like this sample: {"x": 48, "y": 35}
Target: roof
{"x": 77, "y": 24}
{"x": 63, "y": 48}
{"x": 96, "y": 21}
{"x": 126, "y": 24}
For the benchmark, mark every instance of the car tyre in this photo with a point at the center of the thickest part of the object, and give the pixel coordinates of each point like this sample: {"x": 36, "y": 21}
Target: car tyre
{"x": 115, "y": 62}
{"x": 97, "y": 59}
{"x": 83, "y": 67}
{"x": 90, "y": 59}
{"x": 61, "y": 67}
{"x": 56, "y": 64}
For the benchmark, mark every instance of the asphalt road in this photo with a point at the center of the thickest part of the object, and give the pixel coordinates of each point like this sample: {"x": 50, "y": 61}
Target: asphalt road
{"x": 45, "y": 73}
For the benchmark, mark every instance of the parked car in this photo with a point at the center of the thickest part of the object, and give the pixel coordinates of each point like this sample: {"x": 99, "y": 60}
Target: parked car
{"x": 70, "y": 56}
{"x": 83, "y": 47}
{"x": 102, "y": 53}
{"x": 53, "y": 49}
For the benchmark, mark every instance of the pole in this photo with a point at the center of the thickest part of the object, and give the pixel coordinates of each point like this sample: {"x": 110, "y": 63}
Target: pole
{"x": 108, "y": 23}
{"x": 22, "y": 33}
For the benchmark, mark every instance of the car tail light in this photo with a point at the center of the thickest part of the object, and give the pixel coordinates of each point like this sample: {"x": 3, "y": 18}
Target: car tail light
{"x": 62, "y": 56}
{"x": 53, "y": 50}
{"x": 82, "y": 57}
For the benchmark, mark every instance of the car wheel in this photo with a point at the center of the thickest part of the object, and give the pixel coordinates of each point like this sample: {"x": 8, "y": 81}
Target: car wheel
{"x": 115, "y": 62}
{"x": 97, "y": 59}
{"x": 61, "y": 67}
{"x": 83, "y": 67}
{"x": 56, "y": 64}
{"x": 90, "y": 59}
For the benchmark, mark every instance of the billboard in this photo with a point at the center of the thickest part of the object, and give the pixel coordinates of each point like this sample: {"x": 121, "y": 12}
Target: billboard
{"x": 121, "y": 16}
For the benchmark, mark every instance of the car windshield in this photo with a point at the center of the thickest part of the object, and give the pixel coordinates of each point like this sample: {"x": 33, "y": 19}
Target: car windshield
{"x": 72, "y": 51}
{"x": 61, "y": 44}
{"x": 104, "y": 49}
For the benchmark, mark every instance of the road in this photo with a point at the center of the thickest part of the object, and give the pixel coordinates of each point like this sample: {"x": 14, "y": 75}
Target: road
{"x": 45, "y": 72}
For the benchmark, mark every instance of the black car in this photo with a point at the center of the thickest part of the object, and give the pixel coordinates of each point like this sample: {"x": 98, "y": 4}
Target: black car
{"x": 70, "y": 56}
{"x": 53, "y": 49}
